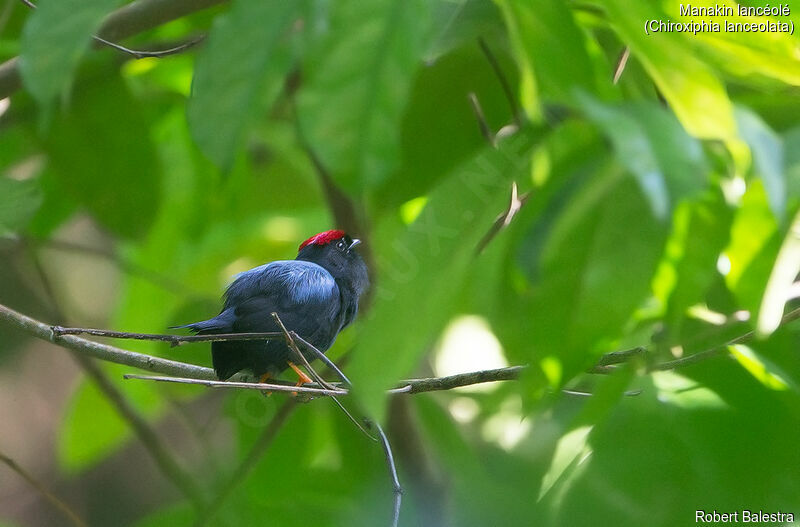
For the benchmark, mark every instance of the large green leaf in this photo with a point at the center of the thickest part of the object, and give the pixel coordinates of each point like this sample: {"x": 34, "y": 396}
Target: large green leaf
{"x": 421, "y": 269}
{"x": 668, "y": 163}
{"x": 603, "y": 237}
{"x": 240, "y": 64}
{"x": 55, "y": 36}
{"x": 691, "y": 87}
{"x": 113, "y": 174}
{"x": 550, "y": 50}
{"x": 355, "y": 87}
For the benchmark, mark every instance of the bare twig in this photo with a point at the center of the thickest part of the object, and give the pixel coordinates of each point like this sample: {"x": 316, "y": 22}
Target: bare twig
{"x": 502, "y": 221}
{"x": 486, "y": 130}
{"x": 139, "y": 54}
{"x": 290, "y": 341}
{"x": 44, "y": 491}
{"x": 263, "y": 386}
{"x": 173, "y": 340}
{"x": 397, "y": 489}
{"x": 622, "y": 61}
{"x": 105, "y": 352}
{"x": 501, "y": 76}
{"x": 131, "y": 19}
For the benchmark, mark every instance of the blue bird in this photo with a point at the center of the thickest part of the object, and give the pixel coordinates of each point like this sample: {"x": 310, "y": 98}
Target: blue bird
{"x": 316, "y": 295}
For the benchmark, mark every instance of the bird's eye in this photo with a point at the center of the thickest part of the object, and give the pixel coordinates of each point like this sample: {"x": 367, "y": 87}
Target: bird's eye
{"x": 341, "y": 244}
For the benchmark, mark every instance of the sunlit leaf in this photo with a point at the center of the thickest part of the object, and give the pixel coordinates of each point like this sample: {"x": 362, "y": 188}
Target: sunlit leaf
{"x": 784, "y": 274}
{"x": 765, "y": 372}
{"x": 56, "y": 34}
{"x": 240, "y": 66}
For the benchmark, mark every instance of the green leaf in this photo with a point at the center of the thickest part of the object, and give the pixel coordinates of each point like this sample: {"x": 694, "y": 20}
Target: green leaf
{"x": 114, "y": 174}
{"x": 550, "y": 50}
{"x": 356, "y": 84}
{"x": 56, "y": 34}
{"x": 422, "y": 268}
{"x": 240, "y": 66}
{"x": 456, "y": 22}
{"x": 603, "y": 237}
{"x": 763, "y": 370}
{"x": 767, "y": 150}
{"x": 783, "y": 275}
{"x": 755, "y": 239}
{"x": 700, "y": 232}
{"x": 668, "y": 163}
{"x": 691, "y": 87}
{"x": 19, "y": 201}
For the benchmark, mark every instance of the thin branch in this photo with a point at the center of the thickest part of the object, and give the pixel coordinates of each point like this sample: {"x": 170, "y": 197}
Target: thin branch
{"x": 44, "y": 491}
{"x": 262, "y": 386}
{"x": 397, "y": 489}
{"x": 173, "y": 340}
{"x": 191, "y": 372}
{"x": 131, "y": 19}
{"x": 486, "y": 130}
{"x": 105, "y": 352}
{"x": 622, "y": 61}
{"x": 501, "y": 76}
{"x": 503, "y": 220}
{"x": 157, "y": 54}
{"x": 290, "y": 342}
{"x": 139, "y": 54}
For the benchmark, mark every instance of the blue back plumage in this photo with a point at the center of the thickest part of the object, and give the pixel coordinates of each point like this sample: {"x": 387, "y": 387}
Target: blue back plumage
{"x": 300, "y": 283}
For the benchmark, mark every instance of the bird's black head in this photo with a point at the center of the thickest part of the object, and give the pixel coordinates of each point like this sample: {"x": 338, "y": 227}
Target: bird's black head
{"x": 335, "y": 251}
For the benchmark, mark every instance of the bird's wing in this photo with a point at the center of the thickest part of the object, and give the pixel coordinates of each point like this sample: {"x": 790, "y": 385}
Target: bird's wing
{"x": 294, "y": 289}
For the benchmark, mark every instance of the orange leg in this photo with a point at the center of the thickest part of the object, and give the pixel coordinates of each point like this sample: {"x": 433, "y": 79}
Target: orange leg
{"x": 303, "y": 378}
{"x": 264, "y": 378}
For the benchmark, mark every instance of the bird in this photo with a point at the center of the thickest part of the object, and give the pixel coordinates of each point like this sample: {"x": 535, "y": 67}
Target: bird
{"x": 315, "y": 295}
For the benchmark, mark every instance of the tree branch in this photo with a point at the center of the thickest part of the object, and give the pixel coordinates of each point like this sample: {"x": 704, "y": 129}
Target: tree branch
{"x": 105, "y": 352}
{"x": 129, "y": 20}
{"x": 161, "y": 455}
{"x": 192, "y": 374}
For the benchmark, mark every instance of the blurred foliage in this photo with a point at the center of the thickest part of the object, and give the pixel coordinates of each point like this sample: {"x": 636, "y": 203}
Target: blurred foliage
{"x": 660, "y": 211}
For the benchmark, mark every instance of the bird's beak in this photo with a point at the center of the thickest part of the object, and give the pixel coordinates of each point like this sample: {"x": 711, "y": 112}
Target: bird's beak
{"x": 355, "y": 242}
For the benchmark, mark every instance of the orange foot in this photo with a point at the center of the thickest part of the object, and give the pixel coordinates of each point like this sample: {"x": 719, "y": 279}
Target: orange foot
{"x": 264, "y": 378}
{"x": 302, "y": 377}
